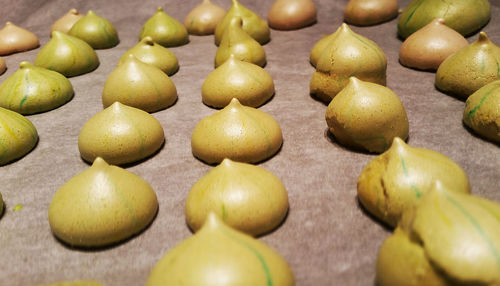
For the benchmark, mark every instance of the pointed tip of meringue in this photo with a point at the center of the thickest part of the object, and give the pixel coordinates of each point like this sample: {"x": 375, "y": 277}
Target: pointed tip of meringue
{"x": 25, "y": 64}
{"x": 483, "y": 37}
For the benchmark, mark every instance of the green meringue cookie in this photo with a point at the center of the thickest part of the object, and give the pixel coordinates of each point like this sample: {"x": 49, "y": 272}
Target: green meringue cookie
{"x": 448, "y": 238}
{"x": 101, "y": 205}
{"x": 139, "y": 85}
{"x": 464, "y": 16}
{"x": 220, "y": 255}
{"x": 482, "y": 111}
{"x": 345, "y": 55}
{"x": 237, "y": 42}
{"x": 470, "y": 68}
{"x": 367, "y": 116}
{"x": 120, "y": 134}
{"x": 17, "y": 136}
{"x": 67, "y": 55}
{"x": 255, "y": 26}
{"x": 98, "y": 32}
{"x": 395, "y": 180}
{"x": 249, "y": 83}
{"x": 234, "y": 190}
{"x": 237, "y": 132}
{"x": 34, "y": 89}
{"x": 149, "y": 52}
{"x": 164, "y": 30}
{"x": 319, "y": 47}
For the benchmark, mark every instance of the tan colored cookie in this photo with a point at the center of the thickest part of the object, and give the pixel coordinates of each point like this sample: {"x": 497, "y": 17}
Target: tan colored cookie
{"x": 139, "y": 85}
{"x": 15, "y": 39}
{"x": 428, "y": 47}
{"x": 120, "y": 134}
{"x": 448, "y": 238}
{"x": 237, "y": 132}
{"x": 345, "y": 55}
{"x": 253, "y": 25}
{"x": 233, "y": 191}
{"x": 34, "y": 89}
{"x": 367, "y": 116}
{"x": 249, "y": 83}
{"x": 291, "y": 14}
{"x": 220, "y": 255}
{"x": 149, "y": 52}
{"x": 203, "y": 19}
{"x": 18, "y": 136}
{"x": 395, "y": 180}
{"x": 67, "y": 21}
{"x": 469, "y": 69}
{"x": 237, "y": 42}
{"x": 164, "y": 30}
{"x": 98, "y": 32}
{"x": 67, "y": 55}
{"x": 102, "y": 205}
{"x": 370, "y": 12}
{"x": 482, "y": 111}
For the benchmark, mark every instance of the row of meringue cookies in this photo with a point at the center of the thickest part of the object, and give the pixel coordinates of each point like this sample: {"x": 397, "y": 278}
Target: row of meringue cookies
{"x": 237, "y": 179}
{"x": 229, "y": 194}
{"x": 424, "y": 194}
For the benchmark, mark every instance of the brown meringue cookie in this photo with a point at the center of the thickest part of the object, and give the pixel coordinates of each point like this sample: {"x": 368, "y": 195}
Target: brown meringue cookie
{"x": 428, "y": 47}
{"x": 16, "y": 39}
{"x": 370, "y": 12}
{"x": 291, "y": 14}
{"x": 3, "y": 66}
{"x": 203, "y": 19}
{"x": 65, "y": 23}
